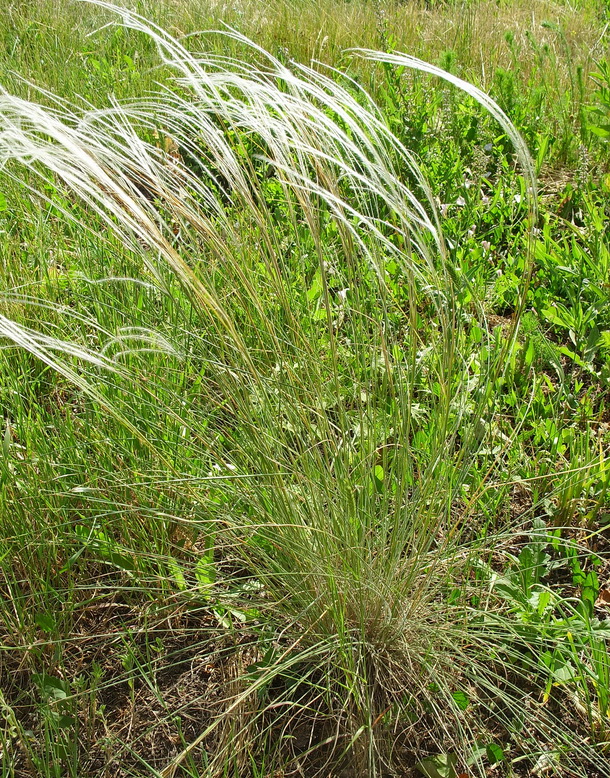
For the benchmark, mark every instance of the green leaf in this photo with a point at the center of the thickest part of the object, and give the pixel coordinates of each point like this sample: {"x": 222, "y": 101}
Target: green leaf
{"x": 315, "y": 290}
{"x": 223, "y": 618}
{"x": 590, "y": 590}
{"x": 476, "y": 755}
{"x": 45, "y": 621}
{"x": 6, "y": 440}
{"x": 205, "y": 572}
{"x": 476, "y": 334}
{"x": 494, "y": 753}
{"x": 601, "y": 132}
{"x": 530, "y": 353}
{"x": 540, "y": 601}
{"x": 572, "y": 355}
{"x": 564, "y": 673}
{"x": 461, "y": 699}
{"x": 378, "y": 476}
{"x": 51, "y": 687}
{"x": 3, "y": 205}
{"x": 176, "y": 574}
{"x": 441, "y": 766}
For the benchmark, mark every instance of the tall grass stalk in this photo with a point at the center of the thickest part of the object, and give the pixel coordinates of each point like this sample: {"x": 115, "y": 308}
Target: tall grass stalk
{"x": 333, "y": 401}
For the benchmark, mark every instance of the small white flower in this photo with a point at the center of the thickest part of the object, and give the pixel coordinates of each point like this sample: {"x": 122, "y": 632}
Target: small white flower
{"x": 342, "y": 294}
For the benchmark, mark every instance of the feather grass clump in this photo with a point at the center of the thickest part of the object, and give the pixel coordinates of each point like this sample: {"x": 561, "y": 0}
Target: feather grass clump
{"x": 333, "y": 402}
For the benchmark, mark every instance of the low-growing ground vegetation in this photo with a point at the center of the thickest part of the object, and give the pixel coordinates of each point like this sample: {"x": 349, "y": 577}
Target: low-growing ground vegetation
{"x": 305, "y": 356}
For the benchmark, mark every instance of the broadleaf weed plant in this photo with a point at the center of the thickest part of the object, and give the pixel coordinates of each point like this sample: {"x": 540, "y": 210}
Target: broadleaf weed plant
{"x": 285, "y": 350}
